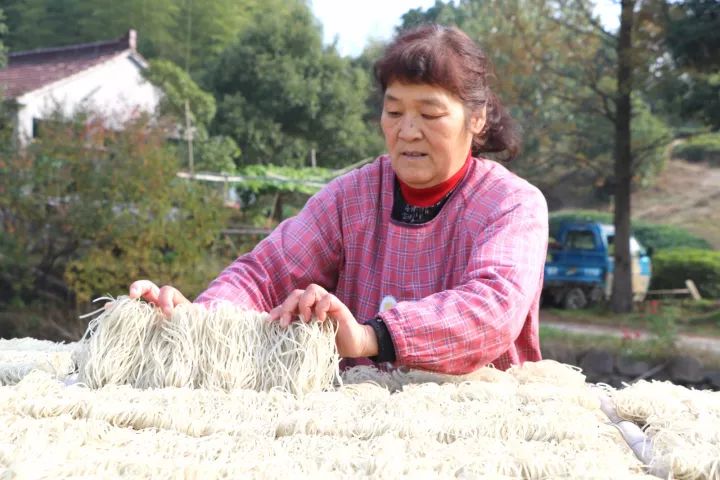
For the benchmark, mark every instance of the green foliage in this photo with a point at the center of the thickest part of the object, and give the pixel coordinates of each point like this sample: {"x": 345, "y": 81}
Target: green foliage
{"x": 191, "y": 34}
{"x": 178, "y": 88}
{"x": 685, "y": 83}
{"x": 653, "y": 235}
{"x": 91, "y": 209}
{"x": 700, "y": 148}
{"x": 3, "y": 32}
{"x": 665, "y": 237}
{"x": 557, "y": 218}
{"x": 692, "y": 34}
{"x": 216, "y": 154}
{"x": 672, "y": 267}
{"x": 281, "y": 94}
{"x": 45, "y": 23}
{"x": 273, "y": 178}
{"x": 664, "y": 329}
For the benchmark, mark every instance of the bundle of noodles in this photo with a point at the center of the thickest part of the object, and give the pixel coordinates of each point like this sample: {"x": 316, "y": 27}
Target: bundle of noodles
{"x": 19, "y": 356}
{"x": 485, "y": 428}
{"x": 683, "y": 424}
{"x": 219, "y": 348}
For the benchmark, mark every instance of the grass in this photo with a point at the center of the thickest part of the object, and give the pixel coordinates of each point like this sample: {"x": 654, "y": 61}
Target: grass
{"x": 685, "y": 316}
{"x": 635, "y": 348}
{"x": 656, "y": 349}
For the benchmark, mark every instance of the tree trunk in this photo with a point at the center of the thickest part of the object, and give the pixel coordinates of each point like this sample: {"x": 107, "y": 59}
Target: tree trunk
{"x": 277, "y": 210}
{"x": 622, "y": 279}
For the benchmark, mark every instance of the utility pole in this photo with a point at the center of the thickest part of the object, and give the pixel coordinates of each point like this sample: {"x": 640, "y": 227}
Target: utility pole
{"x": 189, "y": 138}
{"x": 189, "y": 6}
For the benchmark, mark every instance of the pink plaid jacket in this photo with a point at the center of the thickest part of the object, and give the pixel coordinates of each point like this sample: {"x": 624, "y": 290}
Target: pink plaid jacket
{"x": 467, "y": 283}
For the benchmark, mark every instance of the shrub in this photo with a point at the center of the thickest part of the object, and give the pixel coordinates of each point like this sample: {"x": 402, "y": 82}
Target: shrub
{"x": 672, "y": 267}
{"x": 700, "y": 148}
{"x": 654, "y": 235}
{"x": 557, "y": 218}
{"x": 90, "y": 209}
{"x": 665, "y": 237}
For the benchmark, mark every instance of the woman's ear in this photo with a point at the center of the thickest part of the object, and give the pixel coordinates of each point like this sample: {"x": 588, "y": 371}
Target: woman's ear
{"x": 477, "y": 120}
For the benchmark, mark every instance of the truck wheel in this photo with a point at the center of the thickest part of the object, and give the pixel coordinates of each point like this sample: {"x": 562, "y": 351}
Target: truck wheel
{"x": 575, "y": 299}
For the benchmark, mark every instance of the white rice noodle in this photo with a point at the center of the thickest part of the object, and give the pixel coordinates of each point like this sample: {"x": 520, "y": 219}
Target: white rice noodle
{"x": 222, "y": 348}
{"x": 20, "y": 356}
{"x": 683, "y": 424}
{"x": 464, "y": 429}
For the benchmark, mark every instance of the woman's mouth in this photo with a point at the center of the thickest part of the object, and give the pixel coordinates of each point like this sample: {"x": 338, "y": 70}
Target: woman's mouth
{"x": 413, "y": 154}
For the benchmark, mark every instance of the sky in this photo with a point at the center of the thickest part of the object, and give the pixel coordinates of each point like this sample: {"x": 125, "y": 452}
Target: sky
{"x": 354, "y": 22}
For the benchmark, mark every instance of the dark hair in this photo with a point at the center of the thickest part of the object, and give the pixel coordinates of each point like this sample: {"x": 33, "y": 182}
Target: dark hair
{"x": 448, "y": 58}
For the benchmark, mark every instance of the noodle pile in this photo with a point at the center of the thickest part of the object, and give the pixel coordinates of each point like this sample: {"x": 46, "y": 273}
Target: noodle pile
{"x": 222, "y": 348}
{"x": 20, "y": 356}
{"x": 683, "y": 424}
{"x": 502, "y": 426}
{"x": 222, "y": 393}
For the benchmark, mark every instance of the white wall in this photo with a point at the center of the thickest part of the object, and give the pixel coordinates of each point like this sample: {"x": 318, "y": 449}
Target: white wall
{"x": 114, "y": 89}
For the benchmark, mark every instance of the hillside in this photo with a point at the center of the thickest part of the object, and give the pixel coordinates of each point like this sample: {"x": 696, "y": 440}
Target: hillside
{"x": 685, "y": 194}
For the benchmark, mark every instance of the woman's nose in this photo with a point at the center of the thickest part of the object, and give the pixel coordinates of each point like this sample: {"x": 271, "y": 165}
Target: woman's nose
{"x": 409, "y": 129}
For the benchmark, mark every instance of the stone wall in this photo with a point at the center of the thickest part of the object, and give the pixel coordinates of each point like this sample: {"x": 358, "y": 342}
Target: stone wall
{"x": 602, "y": 366}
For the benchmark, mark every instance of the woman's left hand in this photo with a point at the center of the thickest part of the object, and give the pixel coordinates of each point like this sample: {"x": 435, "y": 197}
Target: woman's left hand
{"x": 353, "y": 339}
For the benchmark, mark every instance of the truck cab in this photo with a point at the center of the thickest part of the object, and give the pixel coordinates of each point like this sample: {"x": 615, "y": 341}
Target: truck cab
{"x": 580, "y": 264}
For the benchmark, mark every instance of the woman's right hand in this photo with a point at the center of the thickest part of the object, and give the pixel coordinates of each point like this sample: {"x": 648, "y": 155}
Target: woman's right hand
{"x": 166, "y": 298}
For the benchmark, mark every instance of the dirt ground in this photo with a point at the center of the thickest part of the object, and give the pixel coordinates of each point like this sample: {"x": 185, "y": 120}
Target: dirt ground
{"x": 685, "y": 195}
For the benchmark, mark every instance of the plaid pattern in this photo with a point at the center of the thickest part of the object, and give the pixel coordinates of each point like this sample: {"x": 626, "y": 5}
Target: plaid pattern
{"x": 468, "y": 282}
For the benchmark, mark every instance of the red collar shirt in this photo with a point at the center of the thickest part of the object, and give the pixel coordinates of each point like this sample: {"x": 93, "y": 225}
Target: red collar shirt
{"x": 465, "y": 285}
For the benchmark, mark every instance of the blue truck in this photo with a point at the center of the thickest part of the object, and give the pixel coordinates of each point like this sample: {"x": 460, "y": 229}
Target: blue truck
{"x": 579, "y": 265}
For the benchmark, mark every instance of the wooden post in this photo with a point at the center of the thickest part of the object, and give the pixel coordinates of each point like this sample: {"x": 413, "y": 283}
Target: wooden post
{"x": 313, "y": 161}
{"x": 694, "y": 292}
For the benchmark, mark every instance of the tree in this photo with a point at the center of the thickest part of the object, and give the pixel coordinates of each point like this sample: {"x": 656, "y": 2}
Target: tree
{"x": 178, "y": 88}
{"x": 690, "y": 81}
{"x": 281, "y": 94}
{"x": 3, "y": 32}
{"x": 622, "y": 295}
{"x": 181, "y": 96}
{"x": 89, "y": 209}
{"x": 206, "y": 28}
{"x": 190, "y": 33}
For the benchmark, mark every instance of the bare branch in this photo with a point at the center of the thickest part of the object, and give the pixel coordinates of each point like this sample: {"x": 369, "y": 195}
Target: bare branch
{"x": 577, "y": 29}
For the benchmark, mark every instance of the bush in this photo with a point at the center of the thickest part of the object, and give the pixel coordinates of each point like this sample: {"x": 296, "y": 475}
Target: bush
{"x": 557, "y": 218}
{"x": 90, "y": 209}
{"x": 666, "y": 237}
{"x": 672, "y": 267}
{"x": 654, "y": 235}
{"x": 701, "y": 148}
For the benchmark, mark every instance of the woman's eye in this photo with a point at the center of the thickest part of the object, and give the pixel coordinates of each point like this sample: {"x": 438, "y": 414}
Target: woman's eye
{"x": 394, "y": 114}
{"x": 431, "y": 117}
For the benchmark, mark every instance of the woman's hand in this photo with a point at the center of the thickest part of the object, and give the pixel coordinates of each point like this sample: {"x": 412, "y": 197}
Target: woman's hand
{"x": 166, "y": 298}
{"x": 353, "y": 339}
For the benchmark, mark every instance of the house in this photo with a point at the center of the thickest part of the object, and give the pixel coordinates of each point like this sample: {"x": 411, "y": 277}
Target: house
{"x": 103, "y": 77}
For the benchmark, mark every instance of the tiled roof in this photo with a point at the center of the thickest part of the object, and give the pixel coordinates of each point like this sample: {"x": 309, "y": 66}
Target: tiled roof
{"x": 31, "y": 70}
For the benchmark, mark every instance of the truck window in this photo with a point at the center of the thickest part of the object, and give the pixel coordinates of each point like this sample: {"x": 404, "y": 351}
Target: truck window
{"x": 580, "y": 240}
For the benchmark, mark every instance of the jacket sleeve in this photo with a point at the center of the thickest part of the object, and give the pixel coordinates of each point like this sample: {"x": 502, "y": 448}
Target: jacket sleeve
{"x": 461, "y": 329}
{"x": 301, "y": 250}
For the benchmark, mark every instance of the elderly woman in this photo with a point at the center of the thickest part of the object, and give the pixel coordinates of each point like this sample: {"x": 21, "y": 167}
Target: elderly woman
{"x": 430, "y": 257}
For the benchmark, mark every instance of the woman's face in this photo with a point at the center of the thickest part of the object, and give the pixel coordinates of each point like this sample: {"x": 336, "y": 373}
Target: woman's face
{"x": 426, "y": 132}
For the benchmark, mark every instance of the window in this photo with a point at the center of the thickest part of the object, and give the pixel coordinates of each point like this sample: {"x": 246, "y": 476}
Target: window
{"x": 580, "y": 240}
